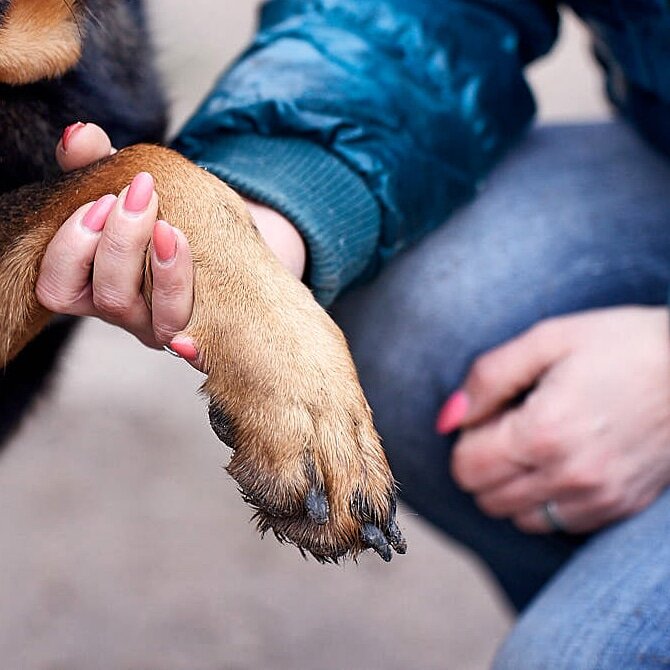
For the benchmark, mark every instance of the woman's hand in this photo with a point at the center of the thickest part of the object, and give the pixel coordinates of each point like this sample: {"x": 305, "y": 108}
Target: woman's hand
{"x": 591, "y": 434}
{"x": 94, "y": 266}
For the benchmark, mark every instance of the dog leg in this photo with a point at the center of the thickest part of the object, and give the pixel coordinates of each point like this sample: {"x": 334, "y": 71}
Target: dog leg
{"x": 283, "y": 389}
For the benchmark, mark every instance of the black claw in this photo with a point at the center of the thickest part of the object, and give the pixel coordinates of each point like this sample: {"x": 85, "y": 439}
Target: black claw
{"x": 395, "y": 538}
{"x": 221, "y": 425}
{"x": 374, "y": 538}
{"x": 317, "y": 506}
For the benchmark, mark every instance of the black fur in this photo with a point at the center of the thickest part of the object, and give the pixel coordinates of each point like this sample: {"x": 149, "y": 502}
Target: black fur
{"x": 114, "y": 85}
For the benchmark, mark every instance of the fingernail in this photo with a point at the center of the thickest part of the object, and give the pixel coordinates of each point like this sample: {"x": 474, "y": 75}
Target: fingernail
{"x": 139, "y": 194}
{"x": 453, "y": 413}
{"x": 69, "y": 133}
{"x": 184, "y": 347}
{"x": 165, "y": 241}
{"x": 96, "y": 217}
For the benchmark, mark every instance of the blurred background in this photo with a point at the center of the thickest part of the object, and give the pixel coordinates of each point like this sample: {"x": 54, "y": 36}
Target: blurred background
{"x": 125, "y": 546}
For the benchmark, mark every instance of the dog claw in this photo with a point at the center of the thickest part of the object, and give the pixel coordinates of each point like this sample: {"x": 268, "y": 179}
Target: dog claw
{"x": 395, "y": 538}
{"x": 374, "y": 538}
{"x": 317, "y": 507}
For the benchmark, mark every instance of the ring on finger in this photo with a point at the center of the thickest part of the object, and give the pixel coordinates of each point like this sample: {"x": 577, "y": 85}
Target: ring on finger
{"x": 552, "y": 517}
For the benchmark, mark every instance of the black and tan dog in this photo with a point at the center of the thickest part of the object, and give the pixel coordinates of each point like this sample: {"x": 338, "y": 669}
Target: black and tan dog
{"x": 283, "y": 389}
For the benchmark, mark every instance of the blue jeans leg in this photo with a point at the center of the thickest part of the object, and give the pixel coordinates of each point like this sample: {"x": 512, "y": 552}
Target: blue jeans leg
{"x": 607, "y": 609}
{"x": 577, "y": 218}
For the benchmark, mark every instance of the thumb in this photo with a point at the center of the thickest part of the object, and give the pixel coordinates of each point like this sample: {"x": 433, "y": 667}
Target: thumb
{"x": 81, "y": 145}
{"x": 500, "y": 375}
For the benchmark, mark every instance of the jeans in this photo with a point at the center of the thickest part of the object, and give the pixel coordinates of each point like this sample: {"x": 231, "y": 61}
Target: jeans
{"x": 577, "y": 218}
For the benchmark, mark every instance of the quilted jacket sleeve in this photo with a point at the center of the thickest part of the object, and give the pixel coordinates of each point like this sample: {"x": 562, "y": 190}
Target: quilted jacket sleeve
{"x": 366, "y": 122}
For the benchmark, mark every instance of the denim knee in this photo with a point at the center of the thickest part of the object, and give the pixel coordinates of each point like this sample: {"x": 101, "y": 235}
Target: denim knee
{"x": 605, "y": 644}
{"x": 605, "y": 609}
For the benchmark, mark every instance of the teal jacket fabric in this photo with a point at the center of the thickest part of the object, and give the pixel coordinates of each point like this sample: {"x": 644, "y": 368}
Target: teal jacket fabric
{"x": 367, "y": 122}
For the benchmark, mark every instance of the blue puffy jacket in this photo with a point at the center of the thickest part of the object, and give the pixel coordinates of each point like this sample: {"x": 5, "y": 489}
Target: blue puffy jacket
{"x": 366, "y": 122}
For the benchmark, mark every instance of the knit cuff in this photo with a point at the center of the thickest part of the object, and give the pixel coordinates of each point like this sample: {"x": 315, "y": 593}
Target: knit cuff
{"x": 329, "y": 203}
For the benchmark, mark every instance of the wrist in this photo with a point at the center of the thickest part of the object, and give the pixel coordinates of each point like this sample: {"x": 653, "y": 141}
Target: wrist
{"x": 281, "y": 236}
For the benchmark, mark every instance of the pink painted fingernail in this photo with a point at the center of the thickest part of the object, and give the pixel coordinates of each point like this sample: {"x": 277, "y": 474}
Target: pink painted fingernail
{"x": 165, "y": 241}
{"x": 96, "y": 217}
{"x": 69, "y": 133}
{"x": 184, "y": 347}
{"x": 139, "y": 194}
{"x": 453, "y": 413}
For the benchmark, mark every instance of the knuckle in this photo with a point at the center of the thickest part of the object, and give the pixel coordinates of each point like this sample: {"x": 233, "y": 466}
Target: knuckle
{"x": 467, "y": 469}
{"x": 627, "y": 499}
{"x": 544, "y": 331}
{"x": 637, "y": 505}
{"x": 460, "y": 469}
{"x": 119, "y": 246}
{"x": 545, "y": 433}
{"x": 168, "y": 294}
{"x": 47, "y": 297}
{"x": 52, "y": 297}
{"x": 543, "y": 338}
{"x": 611, "y": 503}
{"x": 603, "y": 505}
{"x": 483, "y": 374}
{"x": 583, "y": 480}
{"x": 116, "y": 246}
{"x": 163, "y": 334}
{"x": 491, "y": 507}
{"x": 543, "y": 445}
{"x": 111, "y": 304}
{"x": 526, "y": 524}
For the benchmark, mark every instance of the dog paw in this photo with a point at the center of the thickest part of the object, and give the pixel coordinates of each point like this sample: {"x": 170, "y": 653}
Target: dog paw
{"x": 306, "y": 455}
{"x": 307, "y": 458}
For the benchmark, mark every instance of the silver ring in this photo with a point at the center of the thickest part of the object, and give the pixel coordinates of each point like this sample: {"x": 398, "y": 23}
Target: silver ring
{"x": 170, "y": 351}
{"x": 552, "y": 517}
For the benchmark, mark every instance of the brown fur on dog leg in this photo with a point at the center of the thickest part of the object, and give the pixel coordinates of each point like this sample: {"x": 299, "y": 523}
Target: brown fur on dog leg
{"x": 281, "y": 380}
{"x": 39, "y": 39}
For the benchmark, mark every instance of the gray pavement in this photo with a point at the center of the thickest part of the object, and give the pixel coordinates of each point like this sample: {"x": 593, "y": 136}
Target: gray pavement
{"x": 125, "y": 546}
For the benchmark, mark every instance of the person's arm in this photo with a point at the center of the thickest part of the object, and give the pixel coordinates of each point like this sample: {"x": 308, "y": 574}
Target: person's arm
{"x": 367, "y": 123}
